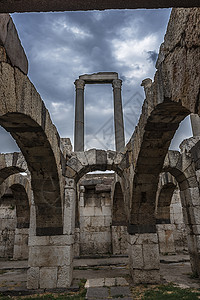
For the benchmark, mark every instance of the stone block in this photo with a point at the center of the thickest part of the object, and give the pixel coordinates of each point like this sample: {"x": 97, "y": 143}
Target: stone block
{"x": 7, "y": 92}
{"x": 96, "y": 282}
{"x": 4, "y": 20}
{"x": 101, "y": 159}
{"x": 118, "y": 158}
{"x": 50, "y": 256}
{"x": 74, "y": 164}
{"x": 14, "y": 48}
{"x": 151, "y": 257}
{"x": 137, "y": 260}
{"x": 89, "y": 211}
{"x": 97, "y": 221}
{"x": 106, "y": 211}
{"x": 82, "y": 158}
{"x": 110, "y": 159}
{"x": 91, "y": 156}
{"x": 145, "y": 276}
{"x": 61, "y": 240}
{"x": 38, "y": 240}
{"x": 33, "y": 275}
{"x": 48, "y": 278}
{"x": 98, "y": 211}
{"x": 110, "y": 282}
{"x": 65, "y": 276}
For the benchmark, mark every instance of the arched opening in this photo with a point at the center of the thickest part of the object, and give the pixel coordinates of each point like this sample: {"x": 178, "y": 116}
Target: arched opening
{"x": 37, "y": 150}
{"x": 159, "y": 130}
{"x": 169, "y": 217}
{"x": 95, "y": 214}
{"x": 15, "y": 221}
{"x": 185, "y": 175}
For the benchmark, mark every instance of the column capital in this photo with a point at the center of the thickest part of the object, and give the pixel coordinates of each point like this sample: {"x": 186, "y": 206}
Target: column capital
{"x": 79, "y": 83}
{"x": 117, "y": 84}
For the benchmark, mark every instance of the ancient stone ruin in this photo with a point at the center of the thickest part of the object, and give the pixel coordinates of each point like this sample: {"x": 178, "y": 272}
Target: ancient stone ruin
{"x": 152, "y": 202}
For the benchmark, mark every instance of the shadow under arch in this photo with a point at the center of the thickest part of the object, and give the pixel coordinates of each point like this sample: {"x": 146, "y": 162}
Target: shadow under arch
{"x": 190, "y": 200}
{"x": 37, "y": 150}
{"x": 154, "y": 134}
{"x": 119, "y": 217}
{"x": 163, "y": 201}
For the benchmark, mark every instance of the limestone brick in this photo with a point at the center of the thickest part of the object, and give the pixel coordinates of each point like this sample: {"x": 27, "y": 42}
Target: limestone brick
{"x": 65, "y": 276}
{"x": 48, "y": 277}
{"x": 33, "y": 275}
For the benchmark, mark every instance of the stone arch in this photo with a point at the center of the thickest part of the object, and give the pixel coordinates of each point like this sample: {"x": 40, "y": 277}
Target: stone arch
{"x": 23, "y": 114}
{"x": 18, "y": 188}
{"x": 163, "y": 199}
{"x": 169, "y": 217}
{"x": 181, "y": 166}
{"x": 11, "y": 163}
{"x": 94, "y": 160}
{"x": 152, "y": 138}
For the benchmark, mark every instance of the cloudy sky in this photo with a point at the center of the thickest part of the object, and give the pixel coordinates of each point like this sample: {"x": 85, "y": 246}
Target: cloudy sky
{"x": 62, "y": 46}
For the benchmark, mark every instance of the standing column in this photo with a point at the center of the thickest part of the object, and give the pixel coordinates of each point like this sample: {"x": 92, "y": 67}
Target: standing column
{"x": 195, "y": 122}
{"x": 118, "y": 115}
{"x": 79, "y": 116}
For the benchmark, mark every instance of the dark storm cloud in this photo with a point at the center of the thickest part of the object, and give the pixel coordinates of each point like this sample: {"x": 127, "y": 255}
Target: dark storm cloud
{"x": 62, "y": 46}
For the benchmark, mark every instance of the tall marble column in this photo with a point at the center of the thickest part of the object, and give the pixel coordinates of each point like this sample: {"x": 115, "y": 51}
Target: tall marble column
{"x": 195, "y": 122}
{"x": 79, "y": 116}
{"x": 118, "y": 115}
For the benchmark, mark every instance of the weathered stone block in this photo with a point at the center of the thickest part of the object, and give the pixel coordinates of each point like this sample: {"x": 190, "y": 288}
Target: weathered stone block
{"x": 33, "y": 275}
{"x": 137, "y": 260}
{"x": 151, "y": 257}
{"x": 91, "y": 157}
{"x": 65, "y": 276}
{"x": 145, "y": 276}
{"x": 50, "y": 256}
{"x": 48, "y": 278}
{"x": 14, "y": 48}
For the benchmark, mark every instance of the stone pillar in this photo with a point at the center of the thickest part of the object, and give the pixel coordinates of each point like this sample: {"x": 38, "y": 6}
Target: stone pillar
{"x": 195, "y": 122}
{"x": 50, "y": 262}
{"x": 118, "y": 115}
{"x": 166, "y": 238}
{"x": 21, "y": 243}
{"x": 79, "y": 116}
{"x": 144, "y": 259}
{"x": 51, "y": 257}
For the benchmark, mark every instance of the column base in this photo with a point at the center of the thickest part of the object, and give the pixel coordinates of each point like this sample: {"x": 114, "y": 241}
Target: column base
{"x": 144, "y": 258}
{"x": 50, "y": 262}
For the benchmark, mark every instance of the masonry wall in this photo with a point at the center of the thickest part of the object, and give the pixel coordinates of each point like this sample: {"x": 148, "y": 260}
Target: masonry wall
{"x": 95, "y": 223}
{"x": 8, "y": 223}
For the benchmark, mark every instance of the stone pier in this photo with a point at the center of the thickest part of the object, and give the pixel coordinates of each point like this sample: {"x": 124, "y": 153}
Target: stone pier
{"x": 118, "y": 115}
{"x": 79, "y": 116}
{"x": 50, "y": 262}
{"x": 144, "y": 262}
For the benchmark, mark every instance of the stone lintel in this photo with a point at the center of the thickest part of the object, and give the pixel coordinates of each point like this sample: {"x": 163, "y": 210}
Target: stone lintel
{"x": 141, "y": 228}
{"x": 70, "y": 5}
{"x": 101, "y": 77}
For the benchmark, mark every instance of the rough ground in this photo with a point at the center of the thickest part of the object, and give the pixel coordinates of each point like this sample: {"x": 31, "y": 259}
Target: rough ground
{"x": 106, "y": 277}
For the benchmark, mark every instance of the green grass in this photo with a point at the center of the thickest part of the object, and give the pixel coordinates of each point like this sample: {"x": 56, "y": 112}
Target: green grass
{"x": 80, "y": 295}
{"x": 170, "y": 292}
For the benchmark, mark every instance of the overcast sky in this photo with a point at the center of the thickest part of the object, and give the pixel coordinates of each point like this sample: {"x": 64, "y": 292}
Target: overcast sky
{"x": 62, "y": 46}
